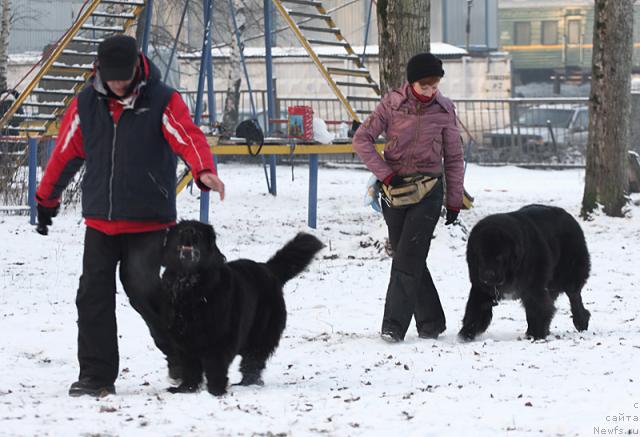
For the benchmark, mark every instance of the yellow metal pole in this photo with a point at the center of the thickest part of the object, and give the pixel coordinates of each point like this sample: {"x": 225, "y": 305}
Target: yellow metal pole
{"x": 292, "y": 24}
{"x": 50, "y": 60}
{"x": 272, "y": 149}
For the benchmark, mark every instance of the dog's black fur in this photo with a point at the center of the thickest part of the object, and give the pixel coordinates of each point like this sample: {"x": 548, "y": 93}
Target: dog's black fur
{"x": 219, "y": 310}
{"x": 534, "y": 253}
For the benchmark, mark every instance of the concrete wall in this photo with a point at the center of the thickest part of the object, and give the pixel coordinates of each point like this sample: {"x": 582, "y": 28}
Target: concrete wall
{"x": 466, "y": 77}
{"x": 40, "y": 22}
{"x": 19, "y": 66}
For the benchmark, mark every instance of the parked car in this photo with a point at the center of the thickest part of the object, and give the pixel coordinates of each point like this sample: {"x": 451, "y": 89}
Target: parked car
{"x": 541, "y": 133}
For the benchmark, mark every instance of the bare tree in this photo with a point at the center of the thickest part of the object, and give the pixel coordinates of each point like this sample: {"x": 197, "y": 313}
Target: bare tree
{"x": 403, "y": 31}
{"x": 4, "y": 42}
{"x": 232, "y": 100}
{"x": 610, "y": 107}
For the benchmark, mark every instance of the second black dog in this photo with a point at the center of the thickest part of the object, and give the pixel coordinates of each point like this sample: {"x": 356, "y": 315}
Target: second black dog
{"x": 219, "y": 310}
{"x": 533, "y": 254}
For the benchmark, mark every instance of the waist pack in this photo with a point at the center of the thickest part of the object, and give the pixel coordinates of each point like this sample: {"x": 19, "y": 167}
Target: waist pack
{"x": 412, "y": 191}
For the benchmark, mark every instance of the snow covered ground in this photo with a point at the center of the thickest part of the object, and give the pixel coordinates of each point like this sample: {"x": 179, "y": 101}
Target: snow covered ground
{"x": 332, "y": 374}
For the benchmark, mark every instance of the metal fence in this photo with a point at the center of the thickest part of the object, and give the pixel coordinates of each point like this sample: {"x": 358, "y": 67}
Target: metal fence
{"x": 506, "y": 131}
{"x": 244, "y": 106}
{"x": 514, "y": 131}
{"x": 525, "y": 130}
{"x": 517, "y": 131}
{"x": 14, "y": 172}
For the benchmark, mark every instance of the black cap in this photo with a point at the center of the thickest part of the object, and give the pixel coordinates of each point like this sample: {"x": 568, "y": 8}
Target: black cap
{"x": 117, "y": 57}
{"x": 423, "y": 65}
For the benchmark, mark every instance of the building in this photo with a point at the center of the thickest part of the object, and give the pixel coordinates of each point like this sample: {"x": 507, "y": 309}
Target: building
{"x": 38, "y": 23}
{"x": 552, "y": 40}
{"x": 474, "y": 69}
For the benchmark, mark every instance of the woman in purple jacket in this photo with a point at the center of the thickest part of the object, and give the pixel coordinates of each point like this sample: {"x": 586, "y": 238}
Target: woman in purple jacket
{"x": 422, "y": 138}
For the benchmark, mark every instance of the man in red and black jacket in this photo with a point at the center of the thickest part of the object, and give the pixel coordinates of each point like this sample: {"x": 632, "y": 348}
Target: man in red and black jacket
{"x": 127, "y": 128}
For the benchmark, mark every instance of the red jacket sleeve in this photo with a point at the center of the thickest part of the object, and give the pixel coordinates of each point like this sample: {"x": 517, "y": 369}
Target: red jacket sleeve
{"x": 66, "y": 159}
{"x": 186, "y": 139}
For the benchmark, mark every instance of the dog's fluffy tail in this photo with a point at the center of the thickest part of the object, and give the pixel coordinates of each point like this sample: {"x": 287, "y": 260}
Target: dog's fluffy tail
{"x": 294, "y": 257}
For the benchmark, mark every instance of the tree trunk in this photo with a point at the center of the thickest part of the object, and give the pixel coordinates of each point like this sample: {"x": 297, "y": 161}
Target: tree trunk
{"x": 4, "y": 43}
{"x": 403, "y": 31}
{"x": 609, "y": 107}
{"x": 234, "y": 80}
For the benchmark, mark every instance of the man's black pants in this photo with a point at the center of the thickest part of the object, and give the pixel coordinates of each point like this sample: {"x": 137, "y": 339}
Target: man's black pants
{"x": 139, "y": 255}
{"x": 411, "y": 291}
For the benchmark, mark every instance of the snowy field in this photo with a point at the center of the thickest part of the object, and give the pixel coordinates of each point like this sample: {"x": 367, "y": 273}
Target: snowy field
{"x": 332, "y": 375}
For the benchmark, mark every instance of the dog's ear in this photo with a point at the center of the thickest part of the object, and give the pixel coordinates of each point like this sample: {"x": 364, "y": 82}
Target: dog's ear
{"x": 219, "y": 259}
{"x": 211, "y": 237}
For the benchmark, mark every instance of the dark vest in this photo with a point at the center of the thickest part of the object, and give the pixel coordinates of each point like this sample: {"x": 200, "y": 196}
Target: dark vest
{"x": 131, "y": 170}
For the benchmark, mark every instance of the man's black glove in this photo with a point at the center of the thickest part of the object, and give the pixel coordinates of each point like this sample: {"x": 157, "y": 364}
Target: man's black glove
{"x": 452, "y": 216}
{"x": 45, "y": 214}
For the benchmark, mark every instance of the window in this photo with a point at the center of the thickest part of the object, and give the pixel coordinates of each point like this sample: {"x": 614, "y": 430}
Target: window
{"x": 582, "y": 121}
{"x": 522, "y": 33}
{"x": 559, "y": 117}
{"x": 549, "y": 32}
{"x": 573, "y": 32}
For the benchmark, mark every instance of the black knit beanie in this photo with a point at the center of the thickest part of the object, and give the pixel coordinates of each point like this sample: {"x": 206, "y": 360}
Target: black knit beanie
{"x": 423, "y": 65}
{"x": 117, "y": 58}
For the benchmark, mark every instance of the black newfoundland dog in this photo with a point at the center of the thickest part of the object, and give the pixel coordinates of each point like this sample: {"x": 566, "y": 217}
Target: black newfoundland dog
{"x": 532, "y": 254}
{"x": 219, "y": 310}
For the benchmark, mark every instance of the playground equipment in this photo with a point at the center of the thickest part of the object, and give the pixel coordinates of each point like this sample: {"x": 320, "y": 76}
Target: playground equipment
{"x": 65, "y": 69}
{"x": 323, "y": 24}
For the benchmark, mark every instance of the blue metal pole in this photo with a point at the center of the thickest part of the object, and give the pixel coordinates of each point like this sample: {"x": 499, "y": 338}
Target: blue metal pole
{"x": 210, "y": 87}
{"x": 271, "y": 104}
{"x": 269, "y": 63}
{"x": 246, "y": 75}
{"x": 204, "y": 56}
{"x": 50, "y": 145}
{"x": 148, "y": 10}
{"x": 272, "y": 173}
{"x": 313, "y": 190}
{"x": 203, "y": 61}
{"x": 205, "y": 196}
{"x": 175, "y": 42}
{"x": 33, "y": 168}
{"x": 366, "y": 33}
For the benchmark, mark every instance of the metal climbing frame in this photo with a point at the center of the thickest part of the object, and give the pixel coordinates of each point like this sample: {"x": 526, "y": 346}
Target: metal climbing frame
{"x": 63, "y": 72}
{"x": 313, "y": 19}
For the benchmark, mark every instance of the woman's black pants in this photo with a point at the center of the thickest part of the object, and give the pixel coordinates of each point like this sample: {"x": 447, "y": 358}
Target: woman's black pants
{"x": 411, "y": 291}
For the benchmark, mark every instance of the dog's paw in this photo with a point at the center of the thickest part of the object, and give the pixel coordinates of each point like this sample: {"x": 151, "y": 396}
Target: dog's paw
{"x": 466, "y": 335}
{"x": 535, "y": 336}
{"x": 251, "y": 381}
{"x": 217, "y": 391}
{"x": 582, "y": 323}
{"x": 183, "y": 388}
